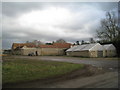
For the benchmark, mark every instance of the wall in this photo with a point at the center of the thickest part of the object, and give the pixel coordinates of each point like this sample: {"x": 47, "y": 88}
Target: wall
{"x": 24, "y": 51}
{"x": 97, "y": 51}
{"x": 17, "y": 52}
{"x": 86, "y": 53}
{"x": 79, "y": 53}
{"x": 27, "y": 51}
{"x": 93, "y": 53}
{"x": 52, "y": 51}
{"x": 110, "y": 53}
{"x": 100, "y": 54}
{"x": 40, "y": 51}
{"x": 96, "y": 54}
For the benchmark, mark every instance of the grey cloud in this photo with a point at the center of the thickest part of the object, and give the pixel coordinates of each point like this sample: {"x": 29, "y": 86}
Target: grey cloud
{"x": 7, "y": 43}
{"x": 16, "y": 8}
{"x": 108, "y": 5}
{"x": 13, "y": 32}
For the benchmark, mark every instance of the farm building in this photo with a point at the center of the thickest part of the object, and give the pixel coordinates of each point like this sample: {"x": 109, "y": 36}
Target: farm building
{"x": 22, "y": 48}
{"x": 26, "y": 49}
{"x": 86, "y": 50}
{"x": 110, "y": 50}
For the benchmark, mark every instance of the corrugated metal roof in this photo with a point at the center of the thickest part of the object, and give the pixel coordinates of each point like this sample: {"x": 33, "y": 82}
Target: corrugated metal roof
{"x": 109, "y": 47}
{"x": 72, "y": 48}
{"x": 97, "y": 47}
{"x": 86, "y": 47}
{"x": 89, "y": 46}
{"x": 80, "y": 47}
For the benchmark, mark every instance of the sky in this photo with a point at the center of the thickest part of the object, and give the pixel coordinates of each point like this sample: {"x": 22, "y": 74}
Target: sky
{"x": 49, "y": 21}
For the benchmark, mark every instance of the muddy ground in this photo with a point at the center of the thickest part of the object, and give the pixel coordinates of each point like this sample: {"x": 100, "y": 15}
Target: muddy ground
{"x": 98, "y": 73}
{"x": 86, "y": 72}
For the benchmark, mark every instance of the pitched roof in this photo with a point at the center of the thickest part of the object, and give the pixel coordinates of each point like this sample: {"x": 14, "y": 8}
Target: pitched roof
{"x": 62, "y": 45}
{"x": 109, "y": 46}
{"x": 86, "y": 47}
{"x": 47, "y": 46}
{"x": 20, "y": 45}
{"x": 55, "y": 45}
{"x": 72, "y": 48}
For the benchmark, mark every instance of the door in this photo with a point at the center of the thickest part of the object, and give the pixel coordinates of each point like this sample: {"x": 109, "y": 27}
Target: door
{"x": 100, "y": 54}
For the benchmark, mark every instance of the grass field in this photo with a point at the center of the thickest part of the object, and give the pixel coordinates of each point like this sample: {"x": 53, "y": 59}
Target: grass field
{"x": 21, "y": 70}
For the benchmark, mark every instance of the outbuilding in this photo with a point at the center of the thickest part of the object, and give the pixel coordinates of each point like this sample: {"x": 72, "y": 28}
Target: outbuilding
{"x": 26, "y": 49}
{"x": 110, "y": 50}
{"x": 86, "y": 50}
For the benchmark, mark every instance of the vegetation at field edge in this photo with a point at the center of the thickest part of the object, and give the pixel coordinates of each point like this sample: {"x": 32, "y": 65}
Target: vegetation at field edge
{"x": 22, "y": 70}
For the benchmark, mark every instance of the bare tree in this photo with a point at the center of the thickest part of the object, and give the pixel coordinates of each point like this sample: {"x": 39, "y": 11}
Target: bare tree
{"x": 82, "y": 42}
{"x": 92, "y": 40}
{"x": 77, "y": 42}
{"x": 109, "y": 30}
{"x": 60, "y": 41}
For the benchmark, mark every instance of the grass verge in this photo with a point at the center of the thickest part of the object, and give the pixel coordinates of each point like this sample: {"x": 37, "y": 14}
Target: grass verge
{"x": 22, "y": 70}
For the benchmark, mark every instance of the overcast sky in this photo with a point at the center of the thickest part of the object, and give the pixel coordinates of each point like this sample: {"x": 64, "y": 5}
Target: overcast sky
{"x": 47, "y": 22}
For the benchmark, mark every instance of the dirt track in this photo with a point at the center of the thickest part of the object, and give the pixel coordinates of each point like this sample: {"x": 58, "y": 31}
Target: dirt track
{"x": 106, "y": 80}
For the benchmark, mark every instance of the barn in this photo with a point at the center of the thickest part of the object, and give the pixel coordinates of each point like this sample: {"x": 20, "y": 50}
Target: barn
{"x": 110, "y": 50}
{"x": 26, "y": 49}
{"x": 22, "y": 48}
{"x": 86, "y": 50}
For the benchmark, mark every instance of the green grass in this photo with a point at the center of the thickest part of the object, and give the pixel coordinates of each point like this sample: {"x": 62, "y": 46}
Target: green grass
{"x": 22, "y": 70}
